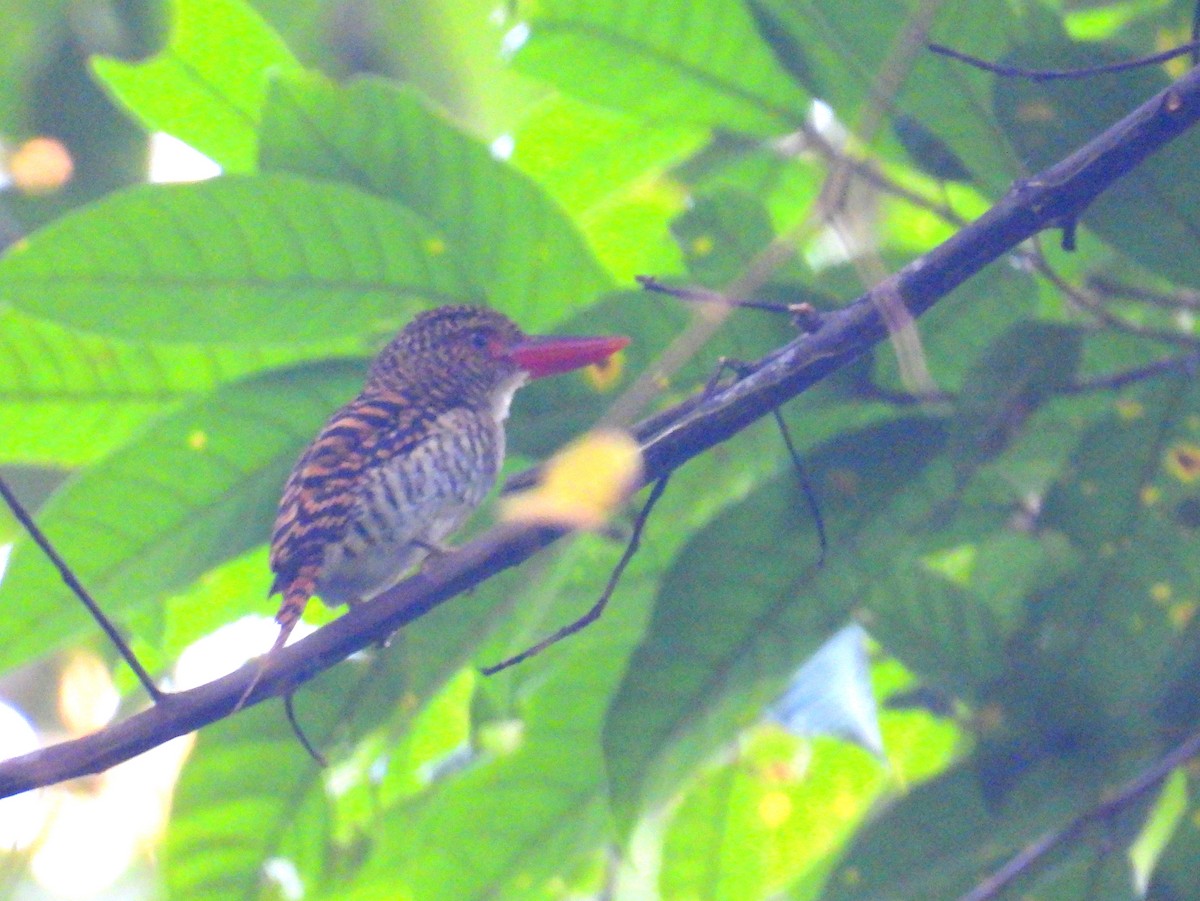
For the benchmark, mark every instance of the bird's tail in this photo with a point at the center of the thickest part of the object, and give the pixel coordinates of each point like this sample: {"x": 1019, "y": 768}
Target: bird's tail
{"x": 295, "y": 599}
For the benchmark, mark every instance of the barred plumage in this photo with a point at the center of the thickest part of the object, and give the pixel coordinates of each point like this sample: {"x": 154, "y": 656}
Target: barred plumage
{"x": 402, "y": 466}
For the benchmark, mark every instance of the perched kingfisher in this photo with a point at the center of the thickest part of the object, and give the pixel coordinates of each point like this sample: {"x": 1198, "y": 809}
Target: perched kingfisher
{"x": 402, "y": 466}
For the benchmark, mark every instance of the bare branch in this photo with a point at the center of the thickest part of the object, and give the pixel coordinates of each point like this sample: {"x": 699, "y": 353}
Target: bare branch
{"x": 68, "y": 576}
{"x": 669, "y": 439}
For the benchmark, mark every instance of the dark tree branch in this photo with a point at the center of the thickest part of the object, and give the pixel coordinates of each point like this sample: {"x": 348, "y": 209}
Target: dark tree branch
{"x": 669, "y": 439}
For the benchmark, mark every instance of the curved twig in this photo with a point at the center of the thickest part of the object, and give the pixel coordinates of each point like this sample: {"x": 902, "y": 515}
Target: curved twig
{"x": 1059, "y": 74}
{"x": 669, "y": 439}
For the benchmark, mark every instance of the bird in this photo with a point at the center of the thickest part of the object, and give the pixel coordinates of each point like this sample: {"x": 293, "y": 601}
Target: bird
{"x": 402, "y": 466}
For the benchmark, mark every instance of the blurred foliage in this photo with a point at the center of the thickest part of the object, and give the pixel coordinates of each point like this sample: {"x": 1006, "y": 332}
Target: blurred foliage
{"x": 1021, "y": 547}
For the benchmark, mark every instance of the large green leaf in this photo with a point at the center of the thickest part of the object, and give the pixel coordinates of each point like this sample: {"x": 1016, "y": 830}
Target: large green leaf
{"x": 716, "y": 845}
{"x": 696, "y": 62}
{"x": 1019, "y": 372}
{"x": 844, "y": 52}
{"x": 513, "y": 821}
{"x": 1098, "y": 654}
{"x": 67, "y": 397}
{"x": 609, "y": 171}
{"x": 745, "y": 603}
{"x": 198, "y": 487}
{"x": 943, "y": 838}
{"x": 1046, "y": 120}
{"x": 250, "y": 795}
{"x": 505, "y": 234}
{"x": 207, "y": 86}
{"x": 251, "y": 259}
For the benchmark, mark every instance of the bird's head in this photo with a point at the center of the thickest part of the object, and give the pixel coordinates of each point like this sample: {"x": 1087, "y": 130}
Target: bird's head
{"x": 480, "y": 356}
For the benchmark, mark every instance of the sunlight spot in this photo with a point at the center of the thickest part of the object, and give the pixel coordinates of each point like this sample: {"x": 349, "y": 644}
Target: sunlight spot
{"x": 87, "y": 698}
{"x": 502, "y": 148}
{"x": 286, "y": 877}
{"x": 40, "y": 166}
{"x": 702, "y": 245}
{"x": 225, "y": 649}
{"x": 171, "y": 160}
{"x": 1183, "y": 462}
{"x": 775, "y": 809}
{"x": 21, "y": 816}
{"x": 1182, "y": 613}
{"x": 1150, "y": 495}
{"x": 1129, "y": 409}
{"x": 435, "y": 247}
{"x": 198, "y": 440}
{"x": 604, "y": 376}
{"x": 514, "y": 40}
{"x": 1161, "y": 592}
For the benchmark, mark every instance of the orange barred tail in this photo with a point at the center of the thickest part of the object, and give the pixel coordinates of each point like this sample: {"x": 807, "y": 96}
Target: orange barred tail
{"x": 294, "y": 602}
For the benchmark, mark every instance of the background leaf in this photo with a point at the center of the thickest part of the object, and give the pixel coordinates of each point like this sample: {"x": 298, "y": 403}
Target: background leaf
{"x": 705, "y": 60}
{"x": 504, "y": 234}
{"x": 277, "y": 257}
{"x": 207, "y": 86}
{"x": 196, "y": 489}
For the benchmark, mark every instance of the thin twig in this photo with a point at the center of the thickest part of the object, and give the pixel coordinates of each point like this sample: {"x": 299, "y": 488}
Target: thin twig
{"x": 635, "y": 541}
{"x": 865, "y": 170}
{"x": 1127, "y": 794}
{"x": 810, "y": 494}
{"x": 74, "y": 584}
{"x": 804, "y": 315}
{"x": 1092, "y": 305}
{"x": 1115, "y": 380}
{"x": 1182, "y": 299}
{"x": 290, "y": 709}
{"x": 1058, "y": 74}
{"x": 740, "y": 368}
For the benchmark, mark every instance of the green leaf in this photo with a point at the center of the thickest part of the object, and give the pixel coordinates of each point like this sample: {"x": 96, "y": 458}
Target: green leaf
{"x": 67, "y": 398}
{"x": 715, "y": 847}
{"x": 516, "y": 819}
{"x": 1046, "y": 120}
{"x": 699, "y": 63}
{"x": 610, "y": 173}
{"x": 207, "y": 86}
{"x": 250, "y": 794}
{"x": 1021, "y": 370}
{"x": 725, "y": 637}
{"x": 721, "y": 234}
{"x": 844, "y": 53}
{"x": 1099, "y": 654}
{"x": 1176, "y": 875}
{"x": 250, "y": 259}
{"x": 1161, "y": 825}
{"x": 197, "y": 488}
{"x": 503, "y": 232}
{"x": 942, "y": 839}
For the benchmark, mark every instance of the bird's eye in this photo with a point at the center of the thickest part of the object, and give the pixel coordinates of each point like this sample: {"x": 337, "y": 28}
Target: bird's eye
{"x": 479, "y": 340}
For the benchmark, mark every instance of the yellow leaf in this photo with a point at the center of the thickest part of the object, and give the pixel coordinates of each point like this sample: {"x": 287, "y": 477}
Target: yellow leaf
{"x": 582, "y": 485}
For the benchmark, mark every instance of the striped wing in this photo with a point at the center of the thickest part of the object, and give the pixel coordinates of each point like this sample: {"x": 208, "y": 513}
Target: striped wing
{"x": 320, "y": 495}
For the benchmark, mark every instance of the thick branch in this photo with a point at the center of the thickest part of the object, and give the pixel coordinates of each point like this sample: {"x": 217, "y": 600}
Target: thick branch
{"x": 1055, "y": 198}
